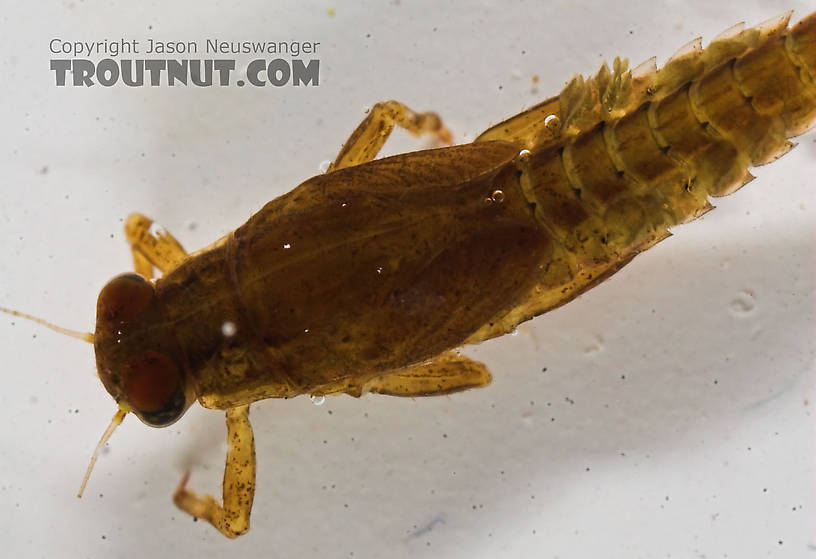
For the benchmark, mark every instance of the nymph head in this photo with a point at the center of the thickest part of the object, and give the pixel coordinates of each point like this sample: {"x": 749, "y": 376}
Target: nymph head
{"x": 137, "y": 358}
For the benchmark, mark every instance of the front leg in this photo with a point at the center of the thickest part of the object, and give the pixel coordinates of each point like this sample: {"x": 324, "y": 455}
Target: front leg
{"x": 232, "y": 517}
{"x": 365, "y": 142}
{"x": 152, "y": 246}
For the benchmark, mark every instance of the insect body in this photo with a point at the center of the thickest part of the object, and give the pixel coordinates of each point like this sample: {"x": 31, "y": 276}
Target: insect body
{"x": 367, "y": 278}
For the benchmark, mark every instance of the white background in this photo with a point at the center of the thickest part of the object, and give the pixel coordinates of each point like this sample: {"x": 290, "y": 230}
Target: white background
{"x": 674, "y": 417}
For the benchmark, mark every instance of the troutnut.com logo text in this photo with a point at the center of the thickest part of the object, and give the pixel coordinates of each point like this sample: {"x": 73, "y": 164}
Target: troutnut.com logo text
{"x": 112, "y": 62}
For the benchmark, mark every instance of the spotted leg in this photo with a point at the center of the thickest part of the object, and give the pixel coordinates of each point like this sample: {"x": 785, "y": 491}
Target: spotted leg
{"x": 365, "y": 142}
{"x": 231, "y": 517}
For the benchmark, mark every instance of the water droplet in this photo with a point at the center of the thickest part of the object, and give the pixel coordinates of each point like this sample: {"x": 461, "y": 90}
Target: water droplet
{"x": 596, "y": 347}
{"x": 514, "y": 332}
{"x": 228, "y": 329}
{"x": 743, "y": 304}
{"x": 317, "y": 400}
{"x": 553, "y": 123}
{"x": 324, "y": 166}
{"x": 287, "y": 245}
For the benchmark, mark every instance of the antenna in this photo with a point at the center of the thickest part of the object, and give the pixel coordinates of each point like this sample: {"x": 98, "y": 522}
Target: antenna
{"x": 115, "y": 422}
{"x": 84, "y": 336}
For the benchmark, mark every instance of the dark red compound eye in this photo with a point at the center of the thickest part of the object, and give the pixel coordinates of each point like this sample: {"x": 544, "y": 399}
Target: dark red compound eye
{"x": 153, "y": 387}
{"x": 124, "y": 298}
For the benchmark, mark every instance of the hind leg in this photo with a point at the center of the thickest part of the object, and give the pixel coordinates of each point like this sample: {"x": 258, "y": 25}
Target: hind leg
{"x": 365, "y": 142}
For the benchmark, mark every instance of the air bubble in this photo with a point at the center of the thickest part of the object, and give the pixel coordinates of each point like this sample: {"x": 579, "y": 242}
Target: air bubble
{"x": 228, "y": 329}
{"x": 497, "y": 196}
{"x": 287, "y": 245}
{"x": 317, "y": 400}
{"x": 324, "y": 166}
{"x": 553, "y": 123}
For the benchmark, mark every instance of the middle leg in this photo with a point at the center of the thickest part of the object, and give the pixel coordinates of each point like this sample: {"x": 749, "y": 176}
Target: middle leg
{"x": 448, "y": 373}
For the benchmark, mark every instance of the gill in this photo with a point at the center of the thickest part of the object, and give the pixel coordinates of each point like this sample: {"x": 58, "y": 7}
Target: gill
{"x": 118, "y": 417}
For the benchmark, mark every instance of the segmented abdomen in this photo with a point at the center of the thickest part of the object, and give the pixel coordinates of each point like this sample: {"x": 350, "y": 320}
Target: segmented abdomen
{"x": 636, "y": 152}
{"x": 671, "y": 138}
